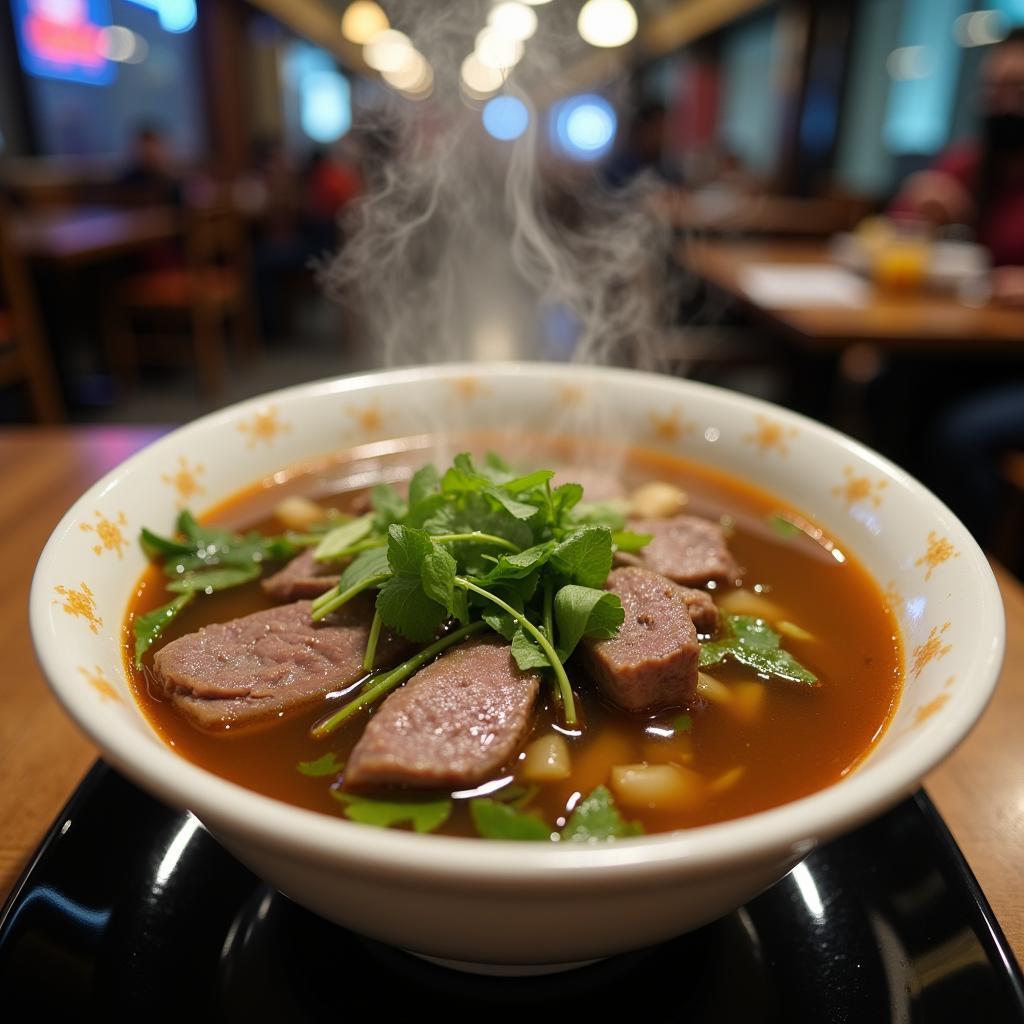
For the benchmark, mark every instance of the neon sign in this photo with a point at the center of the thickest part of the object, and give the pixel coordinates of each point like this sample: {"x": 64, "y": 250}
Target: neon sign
{"x": 64, "y": 39}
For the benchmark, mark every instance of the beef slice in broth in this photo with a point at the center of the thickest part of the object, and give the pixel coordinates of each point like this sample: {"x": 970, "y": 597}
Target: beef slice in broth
{"x": 454, "y": 724}
{"x": 302, "y": 577}
{"x": 652, "y": 662}
{"x": 269, "y": 661}
{"x": 686, "y": 549}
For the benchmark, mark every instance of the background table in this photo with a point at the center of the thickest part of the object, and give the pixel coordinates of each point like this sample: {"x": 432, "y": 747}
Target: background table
{"x": 923, "y": 321}
{"x": 979, "y": 790}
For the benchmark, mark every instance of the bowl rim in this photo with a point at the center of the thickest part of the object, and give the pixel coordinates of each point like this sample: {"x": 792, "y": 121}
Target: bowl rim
{"x": 792, "y": 828}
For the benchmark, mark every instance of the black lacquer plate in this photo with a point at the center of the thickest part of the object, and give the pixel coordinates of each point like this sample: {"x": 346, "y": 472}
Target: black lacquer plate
{"x": 130, "y": 911}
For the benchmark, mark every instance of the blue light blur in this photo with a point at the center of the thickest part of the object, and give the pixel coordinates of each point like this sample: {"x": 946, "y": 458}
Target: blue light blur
{"x": 174, "y": 15}
{"x": 583, "y": 127}
{"x": 326, "y": 105}
{"x": 505, "y": 118}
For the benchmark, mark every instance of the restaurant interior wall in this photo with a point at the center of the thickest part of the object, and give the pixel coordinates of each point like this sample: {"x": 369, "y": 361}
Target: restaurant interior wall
{"x": 749, "y": 112}
{"x": 75, "y": 119}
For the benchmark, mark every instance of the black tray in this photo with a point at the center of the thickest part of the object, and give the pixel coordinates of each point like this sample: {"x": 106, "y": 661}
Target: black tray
{"x": 128, "y": 909}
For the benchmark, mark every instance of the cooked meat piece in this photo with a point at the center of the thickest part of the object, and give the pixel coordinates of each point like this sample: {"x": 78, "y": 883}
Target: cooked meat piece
{"x": 302, "y": 577}
{"x": 270, "y": 661}
{"x": 652, "y": 662}
{"x": 686, "y": 549}
{"x": 702, "y": 609}
{"x": 596, "y": 483}
{"x": 454, "y": 724}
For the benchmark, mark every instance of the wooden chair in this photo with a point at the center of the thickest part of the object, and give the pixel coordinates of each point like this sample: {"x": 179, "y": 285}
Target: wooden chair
{"x": 210, "y": 287}
{"x": 24, "y": 356}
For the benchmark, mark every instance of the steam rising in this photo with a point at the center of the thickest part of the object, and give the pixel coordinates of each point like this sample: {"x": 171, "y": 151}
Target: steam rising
{"x": 468, "y": 248}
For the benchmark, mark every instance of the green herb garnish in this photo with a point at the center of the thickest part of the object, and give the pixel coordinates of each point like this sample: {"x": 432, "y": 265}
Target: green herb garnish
{"x": 326, "y": 765}
{"x": 424, "y": 816}
{"x": 482, "y": 546}
{"x": 495, "y": 820}
{"x": 753, "y": 643}
{"x": 596, "y": 818}
{"x": 149, "y": 628}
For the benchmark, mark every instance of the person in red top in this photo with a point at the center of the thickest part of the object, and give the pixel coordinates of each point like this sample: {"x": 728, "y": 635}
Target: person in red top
{"x": 982, "y": 184}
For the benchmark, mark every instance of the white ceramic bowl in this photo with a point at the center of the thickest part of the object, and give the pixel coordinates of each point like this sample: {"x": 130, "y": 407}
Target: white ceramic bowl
{"x": 505, "y": 903}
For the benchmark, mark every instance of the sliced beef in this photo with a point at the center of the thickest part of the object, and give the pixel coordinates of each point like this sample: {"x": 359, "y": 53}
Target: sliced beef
{"x": 598, "y": 485}
{"x": 268, "y": 662}
{"x": 302, "y": 577}
{"x": 686, "y": 549}
{"x": 652, "y": 662}
{"x": 454, "y": 724}
{"x": 702, "y": 609}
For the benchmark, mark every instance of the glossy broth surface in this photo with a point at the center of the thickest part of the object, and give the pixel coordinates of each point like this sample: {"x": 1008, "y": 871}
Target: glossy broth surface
{"x": 764, "y": 749}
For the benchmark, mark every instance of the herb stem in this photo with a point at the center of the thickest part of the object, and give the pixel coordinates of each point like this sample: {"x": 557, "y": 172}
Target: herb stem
{"x": 564, "y": 686}
{"x": 549, "y": 629}
{"x": 474, "y": 536}
{"x": 371, "y": 643}
{"x": 389, "y": 681}
{"x": 332, "y": 600}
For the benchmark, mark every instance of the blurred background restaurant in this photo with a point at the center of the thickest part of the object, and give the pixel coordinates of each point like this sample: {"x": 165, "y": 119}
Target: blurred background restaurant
{"x": 817, "y": 202}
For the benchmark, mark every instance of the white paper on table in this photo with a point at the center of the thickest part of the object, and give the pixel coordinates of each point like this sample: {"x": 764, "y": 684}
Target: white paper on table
{"x": 796, "y": 284}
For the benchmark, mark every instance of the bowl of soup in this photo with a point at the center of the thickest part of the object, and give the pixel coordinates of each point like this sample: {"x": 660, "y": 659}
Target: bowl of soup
{"x": 517, "y": 666}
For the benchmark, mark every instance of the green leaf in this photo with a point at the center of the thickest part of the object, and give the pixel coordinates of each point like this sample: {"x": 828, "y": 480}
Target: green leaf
{"x": 753, "y": 643}
{"x": 149, "y": 628}
{"x": 423, "y": 815}
{"x": 207, "y": 581}
{"x": 496, "y": 463}
{"x": 425, "y": 483}
{"x": 438, "y": 577}
{"x": 602, "y": 513}
{"x": 501, "y": 622}
{"x": 388, "y": 507}
{"x": 597, "y": 819}
{"x": 518, "y": 566}
{"x": 156, "y": 546}
{"x": 326, "y": 765}
{"x": 527, "y": 653}
{"x": 528, "y": 482}
{"x": 202, "y": 535}
{"x": 585, "y": 556}
{"x": 337, "y": 541}
{"x": 627, "y": 540}
{"x": 370, "y": 563}
{"x": 584, "y": 611}
{"x": 404, "y": 606}
{"x": 563, "y": 500}
{"x": 495, "y": 820}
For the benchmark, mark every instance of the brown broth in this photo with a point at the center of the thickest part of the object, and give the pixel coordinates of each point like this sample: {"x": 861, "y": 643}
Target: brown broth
{"x": 802, "y": 740}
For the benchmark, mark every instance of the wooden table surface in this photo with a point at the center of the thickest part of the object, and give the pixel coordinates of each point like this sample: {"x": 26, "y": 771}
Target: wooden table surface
{"x": 84, "y": 234}
{"x": 979, "y": 790}
{"x": 916, "y": 321}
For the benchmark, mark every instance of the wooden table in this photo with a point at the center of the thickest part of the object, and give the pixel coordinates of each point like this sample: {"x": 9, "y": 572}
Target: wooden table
{"x": 89, "y": 234}
{"x": 979, "y": 790}
{"x": 927, "y": 322}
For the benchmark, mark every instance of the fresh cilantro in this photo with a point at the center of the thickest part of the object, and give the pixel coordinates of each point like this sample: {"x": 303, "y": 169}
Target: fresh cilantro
{"x": 494, "y": 820}
{"x": 753, "y": 643}
{"x": 388, "y": 506}
{"x": 629, "y": 541}
{"x": 149, "y": 628}
{"x": 585, "y": 556}
{"x": 367, "y": 565}
{"x": 206, "y": 581}
{"x": 425, "y": 483}
{"x": 336, "y": 542}
{"x": 326, "y": 765}
{"x": 596, "y": 818}
{"x": 584, "y": 611}
{"x": 423, "y": 815}
{"x": 526, "y": 653}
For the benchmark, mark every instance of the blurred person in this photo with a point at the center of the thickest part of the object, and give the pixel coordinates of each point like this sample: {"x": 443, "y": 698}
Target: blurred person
{"x": 981, "y": 184}
{"x": 149, "y": 177}
{"x": 332, "y": 180}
